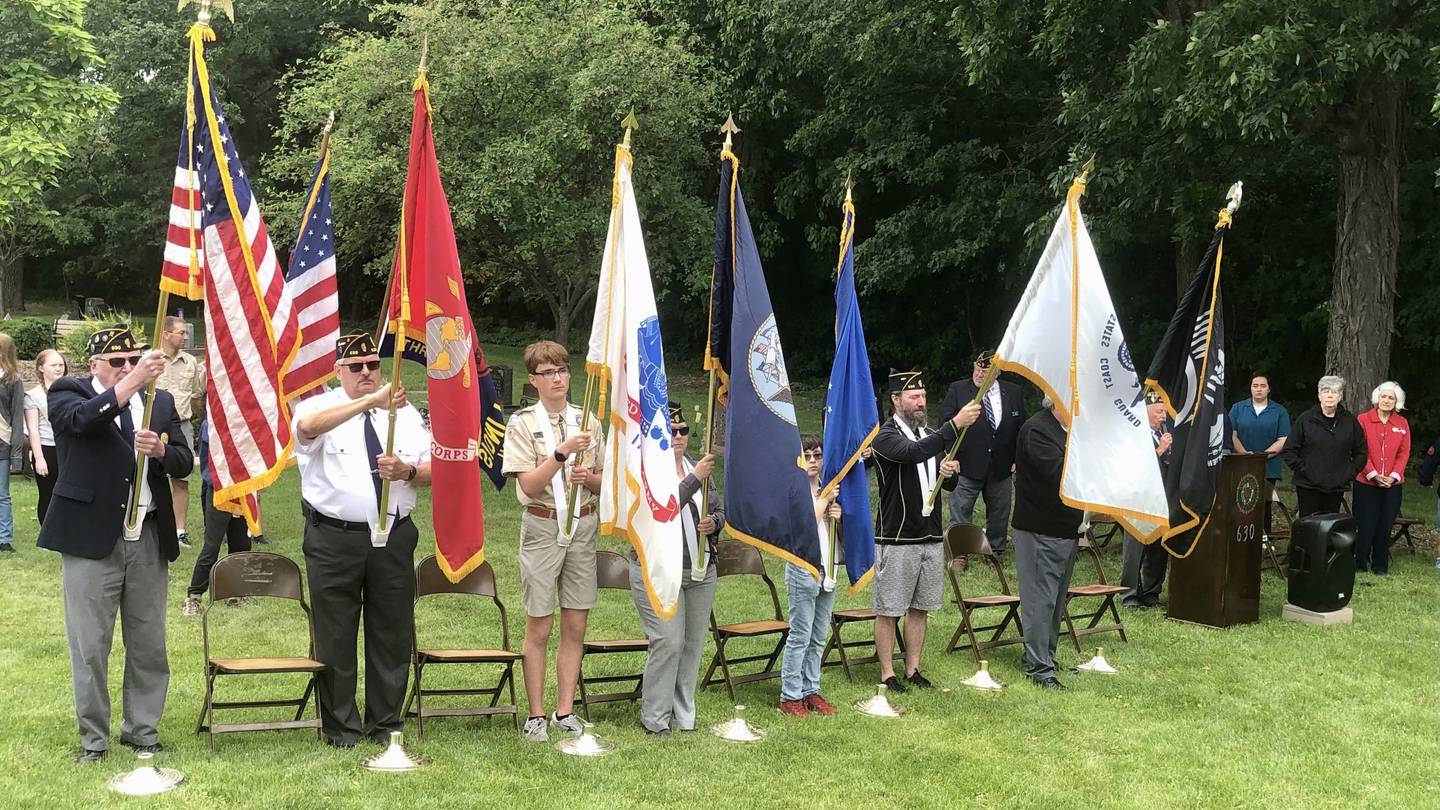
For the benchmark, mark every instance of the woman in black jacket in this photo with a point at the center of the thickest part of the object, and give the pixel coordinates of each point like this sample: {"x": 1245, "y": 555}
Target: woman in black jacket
{"x": 1326, "y": 450}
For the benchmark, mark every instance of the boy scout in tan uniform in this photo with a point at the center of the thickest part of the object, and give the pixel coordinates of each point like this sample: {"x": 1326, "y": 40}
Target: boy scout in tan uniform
{"x": 185, "y": 380}
{"x": 547, "y": 452}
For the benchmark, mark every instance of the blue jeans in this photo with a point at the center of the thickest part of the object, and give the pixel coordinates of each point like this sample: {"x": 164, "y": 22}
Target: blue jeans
{"x": 7, "y": 516}
{"x": 809, "y": 631}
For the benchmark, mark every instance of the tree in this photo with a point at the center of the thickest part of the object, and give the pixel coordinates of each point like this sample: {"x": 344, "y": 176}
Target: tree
{"x": 528, "y": 100}
{"x": 48, "y": 97}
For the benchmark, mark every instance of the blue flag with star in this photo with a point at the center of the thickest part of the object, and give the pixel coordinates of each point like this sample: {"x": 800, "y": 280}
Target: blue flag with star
{"x": 851, "y": 418}
{"x": 767, "y": 493}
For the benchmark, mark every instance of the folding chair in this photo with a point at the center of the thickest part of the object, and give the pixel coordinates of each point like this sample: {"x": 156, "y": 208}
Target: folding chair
{"x": 967, "y": 540}
{"x": 431, "y": 581}
{"x": 256, "y": 574}
{"x": 736, "y": 559}
{"x": 1107, "y": 594}
{"x": 1103, "y": 529}
{"x": 1271, "y": 540}
{"x": 1402, "y": 531}
{"x": 612, "y": 572}
{"x": 837, "y": 643}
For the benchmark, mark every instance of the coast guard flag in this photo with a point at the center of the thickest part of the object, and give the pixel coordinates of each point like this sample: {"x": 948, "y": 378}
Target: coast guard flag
{"x": 1192, "y": 351}
{"x": 639, "y": 489}
{"x": 1065, "y": 338}
{"x": 767, "y": 494}
{"x": 851, "y": 419}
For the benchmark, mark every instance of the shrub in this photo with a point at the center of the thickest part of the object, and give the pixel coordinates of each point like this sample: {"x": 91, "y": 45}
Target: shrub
{"x": 31, "y": 335}
{"x": 74, "y": 344}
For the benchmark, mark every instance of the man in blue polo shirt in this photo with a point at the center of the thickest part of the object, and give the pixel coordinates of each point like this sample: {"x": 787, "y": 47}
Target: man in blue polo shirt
{"x": 1260, "y": 426}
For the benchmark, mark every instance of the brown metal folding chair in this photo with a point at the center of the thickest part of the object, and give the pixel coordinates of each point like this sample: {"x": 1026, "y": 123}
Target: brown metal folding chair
{"x": 967, "y": 540}
{"x": 431, "y": 581}
{"x": 1271, "y": 540}
{"x": 612, "y": 572}
{"x": 1105, "y": 592}
{"x": 736, "y": 559}
{"x": 837, "y": 643}
{"x": 253, "y": 574}
{"x": 1103, "y": 529}
{"x": 1402, "y": 532}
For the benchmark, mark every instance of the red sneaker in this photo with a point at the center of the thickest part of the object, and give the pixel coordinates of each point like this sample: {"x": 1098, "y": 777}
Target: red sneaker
{"x": 819, "y": 705}
{"x": 794, "y": 708}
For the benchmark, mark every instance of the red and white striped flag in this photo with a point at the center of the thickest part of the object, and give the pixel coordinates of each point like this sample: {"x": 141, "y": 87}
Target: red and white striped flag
{"x": 311, "y": 278}
{"x": 218, "y": 250}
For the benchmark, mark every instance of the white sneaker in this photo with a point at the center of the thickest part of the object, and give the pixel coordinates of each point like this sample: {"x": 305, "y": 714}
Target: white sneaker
{"x": 192, "y": 605}
{"x": 535, "y": 730}
{"x": 570, "y": 725}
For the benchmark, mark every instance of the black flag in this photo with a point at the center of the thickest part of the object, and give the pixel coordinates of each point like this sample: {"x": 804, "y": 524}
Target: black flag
{"x": 1188, "y": 371}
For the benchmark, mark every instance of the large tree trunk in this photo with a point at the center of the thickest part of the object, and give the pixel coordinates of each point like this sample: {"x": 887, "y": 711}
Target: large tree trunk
{"x": 12, "y": 271}
{"x": 1362, "y": 298}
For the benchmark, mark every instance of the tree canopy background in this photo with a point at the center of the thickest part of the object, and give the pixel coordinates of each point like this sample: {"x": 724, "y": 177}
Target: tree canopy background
{"x": 960, "y": 125}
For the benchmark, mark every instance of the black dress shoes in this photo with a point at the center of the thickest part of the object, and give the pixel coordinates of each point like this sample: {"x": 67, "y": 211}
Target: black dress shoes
{"x": 152, "y": 748}
{"x": 87, "y": 756}
{"x": 1048, "y": 683}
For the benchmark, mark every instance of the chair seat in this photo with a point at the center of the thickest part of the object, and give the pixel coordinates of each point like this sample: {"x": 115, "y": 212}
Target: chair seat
{"x": 1096, "y": 590}
{"x": 617, "y": 645}
{"x": 259, "y": 665}
{"x": 1405, "y": 521}
{"x": 991, "y": 601}
{"x": 469, "y": 656}
{"x": 756, "y": 628}
{"x": 856, "y": 615}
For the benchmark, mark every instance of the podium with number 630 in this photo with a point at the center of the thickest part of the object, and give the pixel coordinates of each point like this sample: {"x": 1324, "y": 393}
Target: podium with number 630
{"x": 1218, "y": 584}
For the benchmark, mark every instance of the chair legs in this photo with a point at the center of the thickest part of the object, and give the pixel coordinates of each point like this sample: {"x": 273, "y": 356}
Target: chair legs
{"x": 722, "y": 662}
{"x": 1095, "y": 617}
{"x": 977, "y": 646}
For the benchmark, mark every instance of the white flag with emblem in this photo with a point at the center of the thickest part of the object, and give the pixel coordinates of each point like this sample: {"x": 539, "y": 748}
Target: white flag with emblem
{"x": 1065, "y": 338}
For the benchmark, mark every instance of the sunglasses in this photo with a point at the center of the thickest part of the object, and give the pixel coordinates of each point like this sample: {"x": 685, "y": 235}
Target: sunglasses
{"x": 121, "y": 362}
{"x": 683, "y": 430}
{"x": 813, "y": 456}
{"x": 368, "y": 365}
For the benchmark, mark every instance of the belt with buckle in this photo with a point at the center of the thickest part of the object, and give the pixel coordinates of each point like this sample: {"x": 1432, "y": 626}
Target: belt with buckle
{"x": 551, "y": 514}
{"x": 346, "y": 525}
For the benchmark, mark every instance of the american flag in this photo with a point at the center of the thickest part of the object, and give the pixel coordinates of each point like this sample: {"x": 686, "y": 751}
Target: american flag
{"x": 252, "y": 334}
{"x": 311, "y": 279}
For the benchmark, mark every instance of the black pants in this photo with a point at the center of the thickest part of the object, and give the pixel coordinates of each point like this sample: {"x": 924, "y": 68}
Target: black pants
{"x": 219, "y": 526}
{"x": 46, "y": 483}
{"x": 1314, "y": 502}
{"x": 1375, "y": 511}
{"x": 348, "y": 574}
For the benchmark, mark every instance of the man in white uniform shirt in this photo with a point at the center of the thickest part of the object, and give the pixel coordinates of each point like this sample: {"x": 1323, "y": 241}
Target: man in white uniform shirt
{"x": 342, "y": 462}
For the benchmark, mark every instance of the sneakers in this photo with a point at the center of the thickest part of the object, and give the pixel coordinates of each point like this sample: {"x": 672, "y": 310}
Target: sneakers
{"x": 894, "y": 684}
{"x": 183, "y": 539}
{"x": 794, "y": 708}
{"x": 192, "y": 605}
{"x": 535, "y": 730}
{"x": 919, "y": 681}
{"x": 819, "y": 705}
{"x": 569, "y": 724}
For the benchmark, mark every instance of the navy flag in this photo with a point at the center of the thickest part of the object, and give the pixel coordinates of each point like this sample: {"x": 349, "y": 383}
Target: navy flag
{"x": 767, "y": 493}
{"x": 851, "y": 418}
{"x": 1188, "y": 371}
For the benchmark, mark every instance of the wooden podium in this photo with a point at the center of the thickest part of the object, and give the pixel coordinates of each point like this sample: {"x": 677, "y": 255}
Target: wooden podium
{"x": 1218, "y": 585}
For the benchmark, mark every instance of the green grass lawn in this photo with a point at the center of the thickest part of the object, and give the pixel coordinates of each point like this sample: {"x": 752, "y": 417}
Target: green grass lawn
{"x": 1269, "y": 715}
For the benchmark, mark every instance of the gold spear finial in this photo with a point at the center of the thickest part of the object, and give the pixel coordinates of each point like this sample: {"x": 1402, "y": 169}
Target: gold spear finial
{"x": 1087, "y": 169}
{"x": 849, "y": 185}
{"x": 1233, "y": 196}
{"x": 630, "y": 124}
{"x": 729, "y": 129}
{"x": 203, "y": 16}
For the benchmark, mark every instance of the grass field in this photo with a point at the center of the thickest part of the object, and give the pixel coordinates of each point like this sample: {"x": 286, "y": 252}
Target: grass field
{"x": 1269, "y": 715}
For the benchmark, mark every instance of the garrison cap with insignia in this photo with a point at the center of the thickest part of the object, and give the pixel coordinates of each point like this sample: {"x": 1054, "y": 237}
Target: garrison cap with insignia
{"x": 114, "y": 338}
{"x": 905, "y": 381}
{"x": 1152, "y": 396}
{"x": 985, "y": 359}
{"x": 355, "y": 344}
{"x": 677, "y": 413}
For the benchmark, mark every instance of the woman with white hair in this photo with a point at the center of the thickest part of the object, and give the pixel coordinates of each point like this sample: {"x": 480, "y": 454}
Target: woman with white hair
{"x": 1377, "y": 487}
{"x": 1326, "y": 450}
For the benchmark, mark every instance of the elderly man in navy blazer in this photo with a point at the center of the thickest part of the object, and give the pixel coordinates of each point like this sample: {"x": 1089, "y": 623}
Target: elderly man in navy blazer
{"x": 97, "y": 421}
{"x": 987, "y": 456}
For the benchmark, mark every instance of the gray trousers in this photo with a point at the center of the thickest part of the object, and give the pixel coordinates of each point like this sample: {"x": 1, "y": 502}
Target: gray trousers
{"x": 1043, "y": 565}
{"x": 997, "y": 506}
{"x": 1142, "y": 570}
{"x": 672, "y": 666}
{"x": 131, "y": 580}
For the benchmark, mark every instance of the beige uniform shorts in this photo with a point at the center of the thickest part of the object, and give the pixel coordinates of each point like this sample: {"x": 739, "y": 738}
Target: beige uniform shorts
{"x": 548, "y": 571}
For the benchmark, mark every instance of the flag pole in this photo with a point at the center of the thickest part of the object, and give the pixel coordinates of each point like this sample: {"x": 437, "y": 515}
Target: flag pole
{"x": 985, "y": 383}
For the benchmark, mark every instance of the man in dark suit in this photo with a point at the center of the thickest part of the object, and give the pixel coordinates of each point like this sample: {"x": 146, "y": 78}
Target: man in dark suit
{"x": 104, "y": 566}
{"x": 987, "y": 455}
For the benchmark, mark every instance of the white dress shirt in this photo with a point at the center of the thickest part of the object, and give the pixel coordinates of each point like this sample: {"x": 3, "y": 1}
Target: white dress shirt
{"x": 335, "y": 469}
{"x": 137, "y": 418}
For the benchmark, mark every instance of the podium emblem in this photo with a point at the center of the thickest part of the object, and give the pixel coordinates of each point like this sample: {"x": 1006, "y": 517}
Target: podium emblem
{"x": 1247, "y": 494}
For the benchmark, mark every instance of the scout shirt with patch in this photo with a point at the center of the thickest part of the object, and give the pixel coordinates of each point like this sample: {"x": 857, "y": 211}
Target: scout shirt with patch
{"x": 525, "y": 450}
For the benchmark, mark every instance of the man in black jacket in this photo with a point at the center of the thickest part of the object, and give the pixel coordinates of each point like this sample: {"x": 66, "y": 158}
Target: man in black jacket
{"x": 987, "y": 454}
{"x": 909, "y": 559}
{"x": 97, "y": 421}
{"x": 1047, "y": 535}
{"x": 1326, "y": 449}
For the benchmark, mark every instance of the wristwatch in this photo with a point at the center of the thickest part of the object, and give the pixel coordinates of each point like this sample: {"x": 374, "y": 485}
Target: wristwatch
{"x": 559, "y": 456}
{"x": 414, "y": 471}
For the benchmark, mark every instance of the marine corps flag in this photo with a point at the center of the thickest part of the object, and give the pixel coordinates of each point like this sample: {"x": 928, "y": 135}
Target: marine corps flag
{"x": 1188, "y": 371}
{"x": 1065, "y": 338}
{"x": 427, "y": 303}
{"x": 767, "y": 494}
{"x": 639, "y": 489}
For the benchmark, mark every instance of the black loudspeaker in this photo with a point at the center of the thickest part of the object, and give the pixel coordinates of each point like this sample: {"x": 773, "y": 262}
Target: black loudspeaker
{"x": 1321, "y": 562}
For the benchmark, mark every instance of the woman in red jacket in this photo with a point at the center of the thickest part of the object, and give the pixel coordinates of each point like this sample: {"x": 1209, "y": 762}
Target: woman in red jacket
{"x": 1378, "y": 486}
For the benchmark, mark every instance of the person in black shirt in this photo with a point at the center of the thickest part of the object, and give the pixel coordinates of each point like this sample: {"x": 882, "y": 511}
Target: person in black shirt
{"x": 1326, "y": 450}
{"x": 1142, "y": 567}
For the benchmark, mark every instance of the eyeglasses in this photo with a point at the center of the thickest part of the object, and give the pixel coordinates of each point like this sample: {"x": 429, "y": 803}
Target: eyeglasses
{"x": 813, "y": 455}
{"x": 121, "y": 362}
{"x": 368, "y": 365}
{"x": 551, "y": 373}
{"x": 683, "y": 430}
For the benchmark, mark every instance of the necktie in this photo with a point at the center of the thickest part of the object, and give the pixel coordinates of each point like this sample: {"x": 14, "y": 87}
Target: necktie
{"x": 989, "y": 411}
{"x": 372, "y": 449}
{"x": 127, "y": 424}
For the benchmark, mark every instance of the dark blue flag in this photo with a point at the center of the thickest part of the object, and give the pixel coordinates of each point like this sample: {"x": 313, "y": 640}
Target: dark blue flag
{"x": 767, "y": 493}
{"x": 851, "y": 418}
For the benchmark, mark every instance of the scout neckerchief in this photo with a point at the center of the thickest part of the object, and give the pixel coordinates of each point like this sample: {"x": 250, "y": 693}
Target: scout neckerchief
{"x": 557, "y": 481}
{"x": 926, "y": 469}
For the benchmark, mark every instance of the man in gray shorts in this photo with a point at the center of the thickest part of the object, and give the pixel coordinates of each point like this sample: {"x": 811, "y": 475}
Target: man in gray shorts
{"x": 546, "y": 452}
{"x": 909, "y": 556}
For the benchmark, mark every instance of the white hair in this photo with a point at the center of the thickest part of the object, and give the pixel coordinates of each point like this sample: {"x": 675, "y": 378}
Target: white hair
{"x": 1331, "y": 382}
{"x": 1392, "y": 388}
